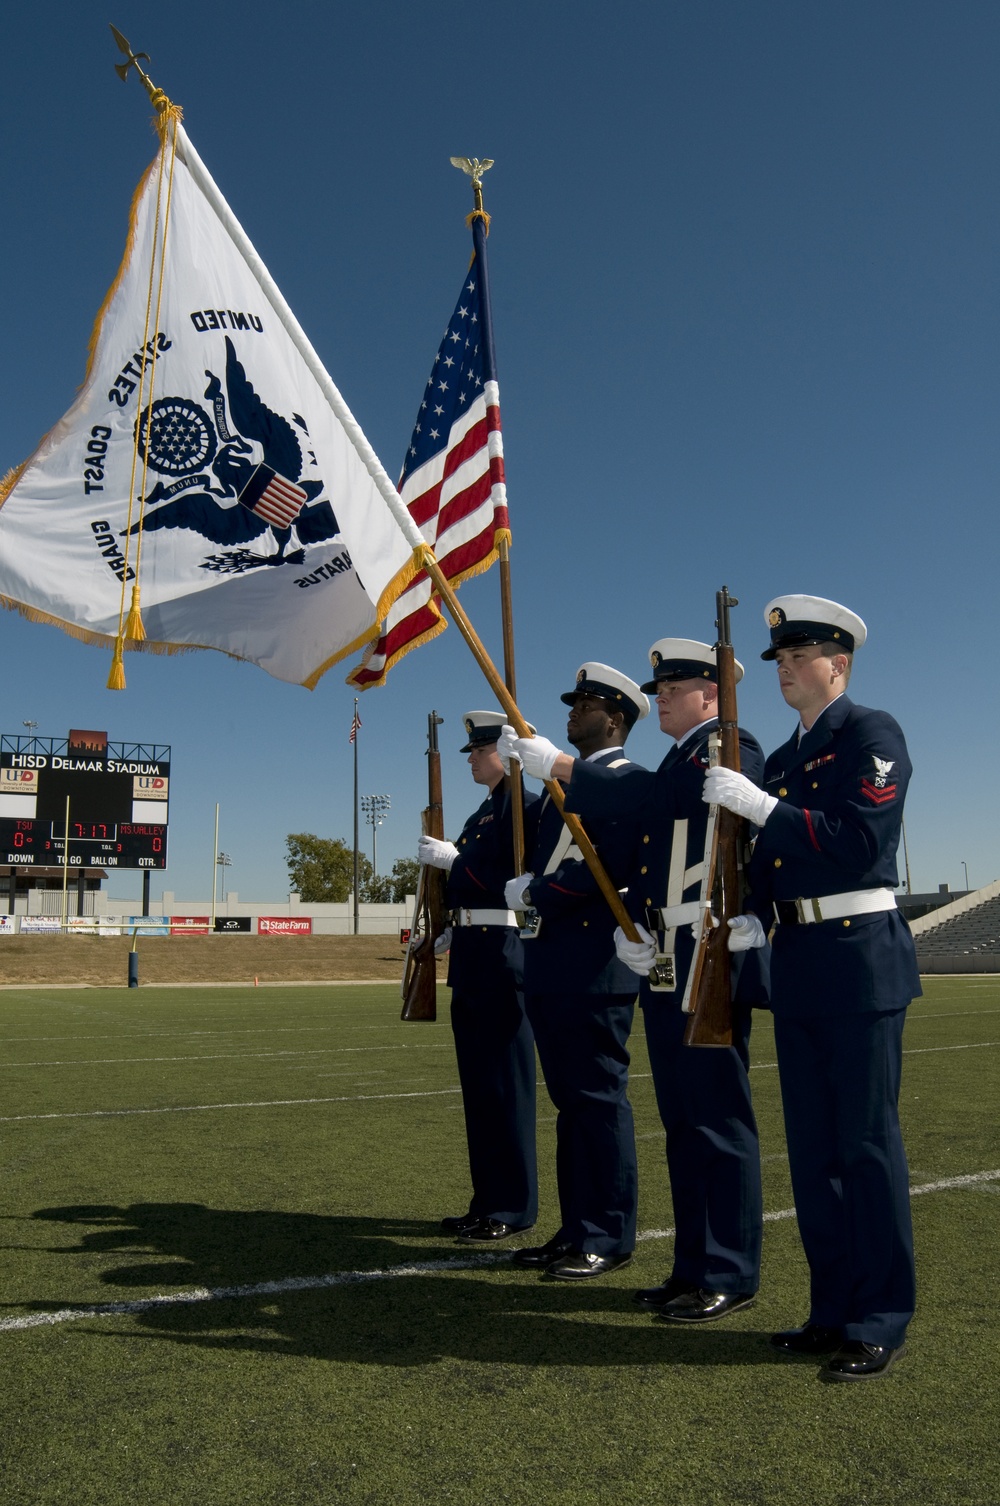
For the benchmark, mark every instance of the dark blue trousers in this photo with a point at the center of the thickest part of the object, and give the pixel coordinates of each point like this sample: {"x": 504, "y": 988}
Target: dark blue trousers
{"x": 582, "y": 1042}
{"x": 703, "y": 1095}
{"x": 496, "y": 1068}
{"x": 840, "y": 1089}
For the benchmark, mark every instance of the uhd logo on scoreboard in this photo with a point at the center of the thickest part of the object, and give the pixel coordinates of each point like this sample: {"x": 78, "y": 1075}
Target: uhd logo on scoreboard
{"x": 19, "y": 781}
{"x": 149, "y": 787}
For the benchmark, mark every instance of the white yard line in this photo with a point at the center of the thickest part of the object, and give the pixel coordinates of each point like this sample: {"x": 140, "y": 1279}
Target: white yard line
{"x": 221, "y": 1056}
{"x": 202, "y": 1294}
{"x": 183, "y": 1034}
{"x": 275, "y": 1103}
{"x": 204, "y": 1108}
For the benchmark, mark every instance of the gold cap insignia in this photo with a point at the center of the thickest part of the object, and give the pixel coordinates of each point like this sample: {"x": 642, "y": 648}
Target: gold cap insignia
{"x": 775, "y": 617}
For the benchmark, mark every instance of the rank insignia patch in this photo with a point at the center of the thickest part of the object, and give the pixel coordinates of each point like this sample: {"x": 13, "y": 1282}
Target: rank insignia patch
{"x": 878, "y": 794}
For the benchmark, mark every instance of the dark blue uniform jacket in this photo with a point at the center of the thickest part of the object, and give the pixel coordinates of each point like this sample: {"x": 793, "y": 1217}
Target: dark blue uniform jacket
{"x": 836, "y": 829}
{"x": 574, "y": 951}
{"x": 485, "y": 862}
{"x": 658, "y": 802}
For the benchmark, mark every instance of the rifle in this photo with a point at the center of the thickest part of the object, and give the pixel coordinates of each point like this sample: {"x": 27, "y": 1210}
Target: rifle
{"x": 419, "y": 985}
{"x": 708, "y": 997}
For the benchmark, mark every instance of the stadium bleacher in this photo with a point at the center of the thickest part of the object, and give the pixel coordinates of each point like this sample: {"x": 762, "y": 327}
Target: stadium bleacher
{"x": 963, "y": 937}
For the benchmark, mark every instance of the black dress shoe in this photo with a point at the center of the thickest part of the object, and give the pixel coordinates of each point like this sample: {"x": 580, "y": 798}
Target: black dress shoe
{"x": 579, "y": 1266}
{"x": 491, "y": 1228}
{"x": 702, "y": 1306}
{"x": 810, "y": 1340}
{"x": 856, "y": 1360}
{"x": 656, "y": 1296}
{"x": 537, "y": 1257}
{"x": 458, "y": 1223}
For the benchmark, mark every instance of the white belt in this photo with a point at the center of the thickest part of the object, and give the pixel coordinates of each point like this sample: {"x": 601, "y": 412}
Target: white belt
{"x": 672, "y": 916}
{"x": 840, "y": 906}
{"x": 483, "y": 918}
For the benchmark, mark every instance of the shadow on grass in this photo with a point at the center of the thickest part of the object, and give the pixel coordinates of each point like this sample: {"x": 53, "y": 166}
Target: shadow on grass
{"x": 489, "y": 1314}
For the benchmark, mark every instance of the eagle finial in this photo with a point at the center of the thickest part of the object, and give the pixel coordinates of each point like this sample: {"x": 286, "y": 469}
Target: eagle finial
{"x": 474, "y": 167}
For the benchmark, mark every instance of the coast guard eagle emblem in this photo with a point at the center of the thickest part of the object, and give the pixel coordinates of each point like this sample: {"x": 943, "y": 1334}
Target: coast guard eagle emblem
{"x": 878, "y": 790}
{"x": 232, "y": 472}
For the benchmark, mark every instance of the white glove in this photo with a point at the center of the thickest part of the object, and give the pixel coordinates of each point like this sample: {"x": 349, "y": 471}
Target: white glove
{"x": 505, "y": 746}
{"x": 536, "y": 755}
{"x": 432, "y": 853}
{"x": 638, "y": 955}
{"x": 443, "y": 943}
{"x": 746, "y": 933}
{"x": 697, "y": 926}
{"x": 515, "y": 894}
{"x": 738, "y": 794}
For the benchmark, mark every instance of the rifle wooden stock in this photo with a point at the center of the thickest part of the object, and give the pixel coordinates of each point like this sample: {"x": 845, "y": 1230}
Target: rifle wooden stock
{"x": 708, "y": 997}
{"x": 419, "y": 986}
{"x": 430, "y": 915}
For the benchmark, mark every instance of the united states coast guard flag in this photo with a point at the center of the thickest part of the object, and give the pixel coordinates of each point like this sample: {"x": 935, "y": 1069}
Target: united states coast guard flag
{"x": 209, "y": 460}
{"x": 453, "y": 476}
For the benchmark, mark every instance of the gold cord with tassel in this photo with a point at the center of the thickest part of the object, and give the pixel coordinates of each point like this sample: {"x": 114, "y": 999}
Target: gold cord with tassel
{"x": 167, "y": 114}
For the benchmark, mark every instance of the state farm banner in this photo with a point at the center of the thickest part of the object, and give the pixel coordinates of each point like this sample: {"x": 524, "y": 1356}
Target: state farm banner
{"x": 283, "y": 925}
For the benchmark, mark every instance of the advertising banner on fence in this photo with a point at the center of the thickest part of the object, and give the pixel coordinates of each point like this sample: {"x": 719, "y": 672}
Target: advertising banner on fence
{"x": 283, "y": 925}
{"x": 7, "y": 927}
{"x": 39, "y": 923}
{"x": 190, "y": 925}
{"x": 147, "y": 925}
{"x": 240, "y": 923}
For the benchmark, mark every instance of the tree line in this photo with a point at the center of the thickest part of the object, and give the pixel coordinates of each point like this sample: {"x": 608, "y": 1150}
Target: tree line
{"x": 321, "y": 871}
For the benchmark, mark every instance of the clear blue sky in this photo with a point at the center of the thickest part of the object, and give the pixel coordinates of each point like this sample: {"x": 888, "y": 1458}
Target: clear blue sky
{"x": 744, "y": 271}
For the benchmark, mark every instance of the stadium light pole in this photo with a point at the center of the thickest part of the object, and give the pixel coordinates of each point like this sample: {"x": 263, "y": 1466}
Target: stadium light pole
{"x": 376, "y": 808}
{"x": 215, "y": 870}
{"x": 223, "y": 861}
{"x": 966, "y": 867}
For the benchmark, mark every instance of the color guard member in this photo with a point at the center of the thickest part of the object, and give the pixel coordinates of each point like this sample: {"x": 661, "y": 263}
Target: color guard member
{"x": 493, "y": 1042}
{"x": 844, "y": 970}
{"x": 703, "y": 1094}
{"x": 580, "y": 999}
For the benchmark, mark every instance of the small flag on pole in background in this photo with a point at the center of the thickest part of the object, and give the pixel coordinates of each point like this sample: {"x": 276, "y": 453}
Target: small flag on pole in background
{"x": 355, "y": 724}
{"x": 453, "y": 476}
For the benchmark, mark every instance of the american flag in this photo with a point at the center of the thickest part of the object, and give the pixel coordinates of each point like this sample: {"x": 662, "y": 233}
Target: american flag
{"x": 272, "y": 497}
{"x": 356, "y": 723}
{"x": 453, "y": 478}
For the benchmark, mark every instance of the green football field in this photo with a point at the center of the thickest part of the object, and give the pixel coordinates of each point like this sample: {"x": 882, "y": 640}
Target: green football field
{"x": 223, "y": 1282}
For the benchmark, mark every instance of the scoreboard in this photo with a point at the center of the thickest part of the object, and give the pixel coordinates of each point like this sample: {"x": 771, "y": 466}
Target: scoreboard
{"x": 118, "y": 797}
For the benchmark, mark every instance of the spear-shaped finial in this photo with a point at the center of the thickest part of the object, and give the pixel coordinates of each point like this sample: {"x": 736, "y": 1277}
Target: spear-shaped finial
{"x": 474, "y": 167}
{"x": 157, "y": 96}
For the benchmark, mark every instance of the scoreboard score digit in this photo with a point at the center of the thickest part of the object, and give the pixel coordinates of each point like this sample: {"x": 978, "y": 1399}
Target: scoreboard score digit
{"x": 118, "y": 802}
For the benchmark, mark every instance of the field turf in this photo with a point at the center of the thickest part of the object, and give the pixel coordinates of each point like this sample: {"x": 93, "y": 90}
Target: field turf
{"x": 272, "y": 1164}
